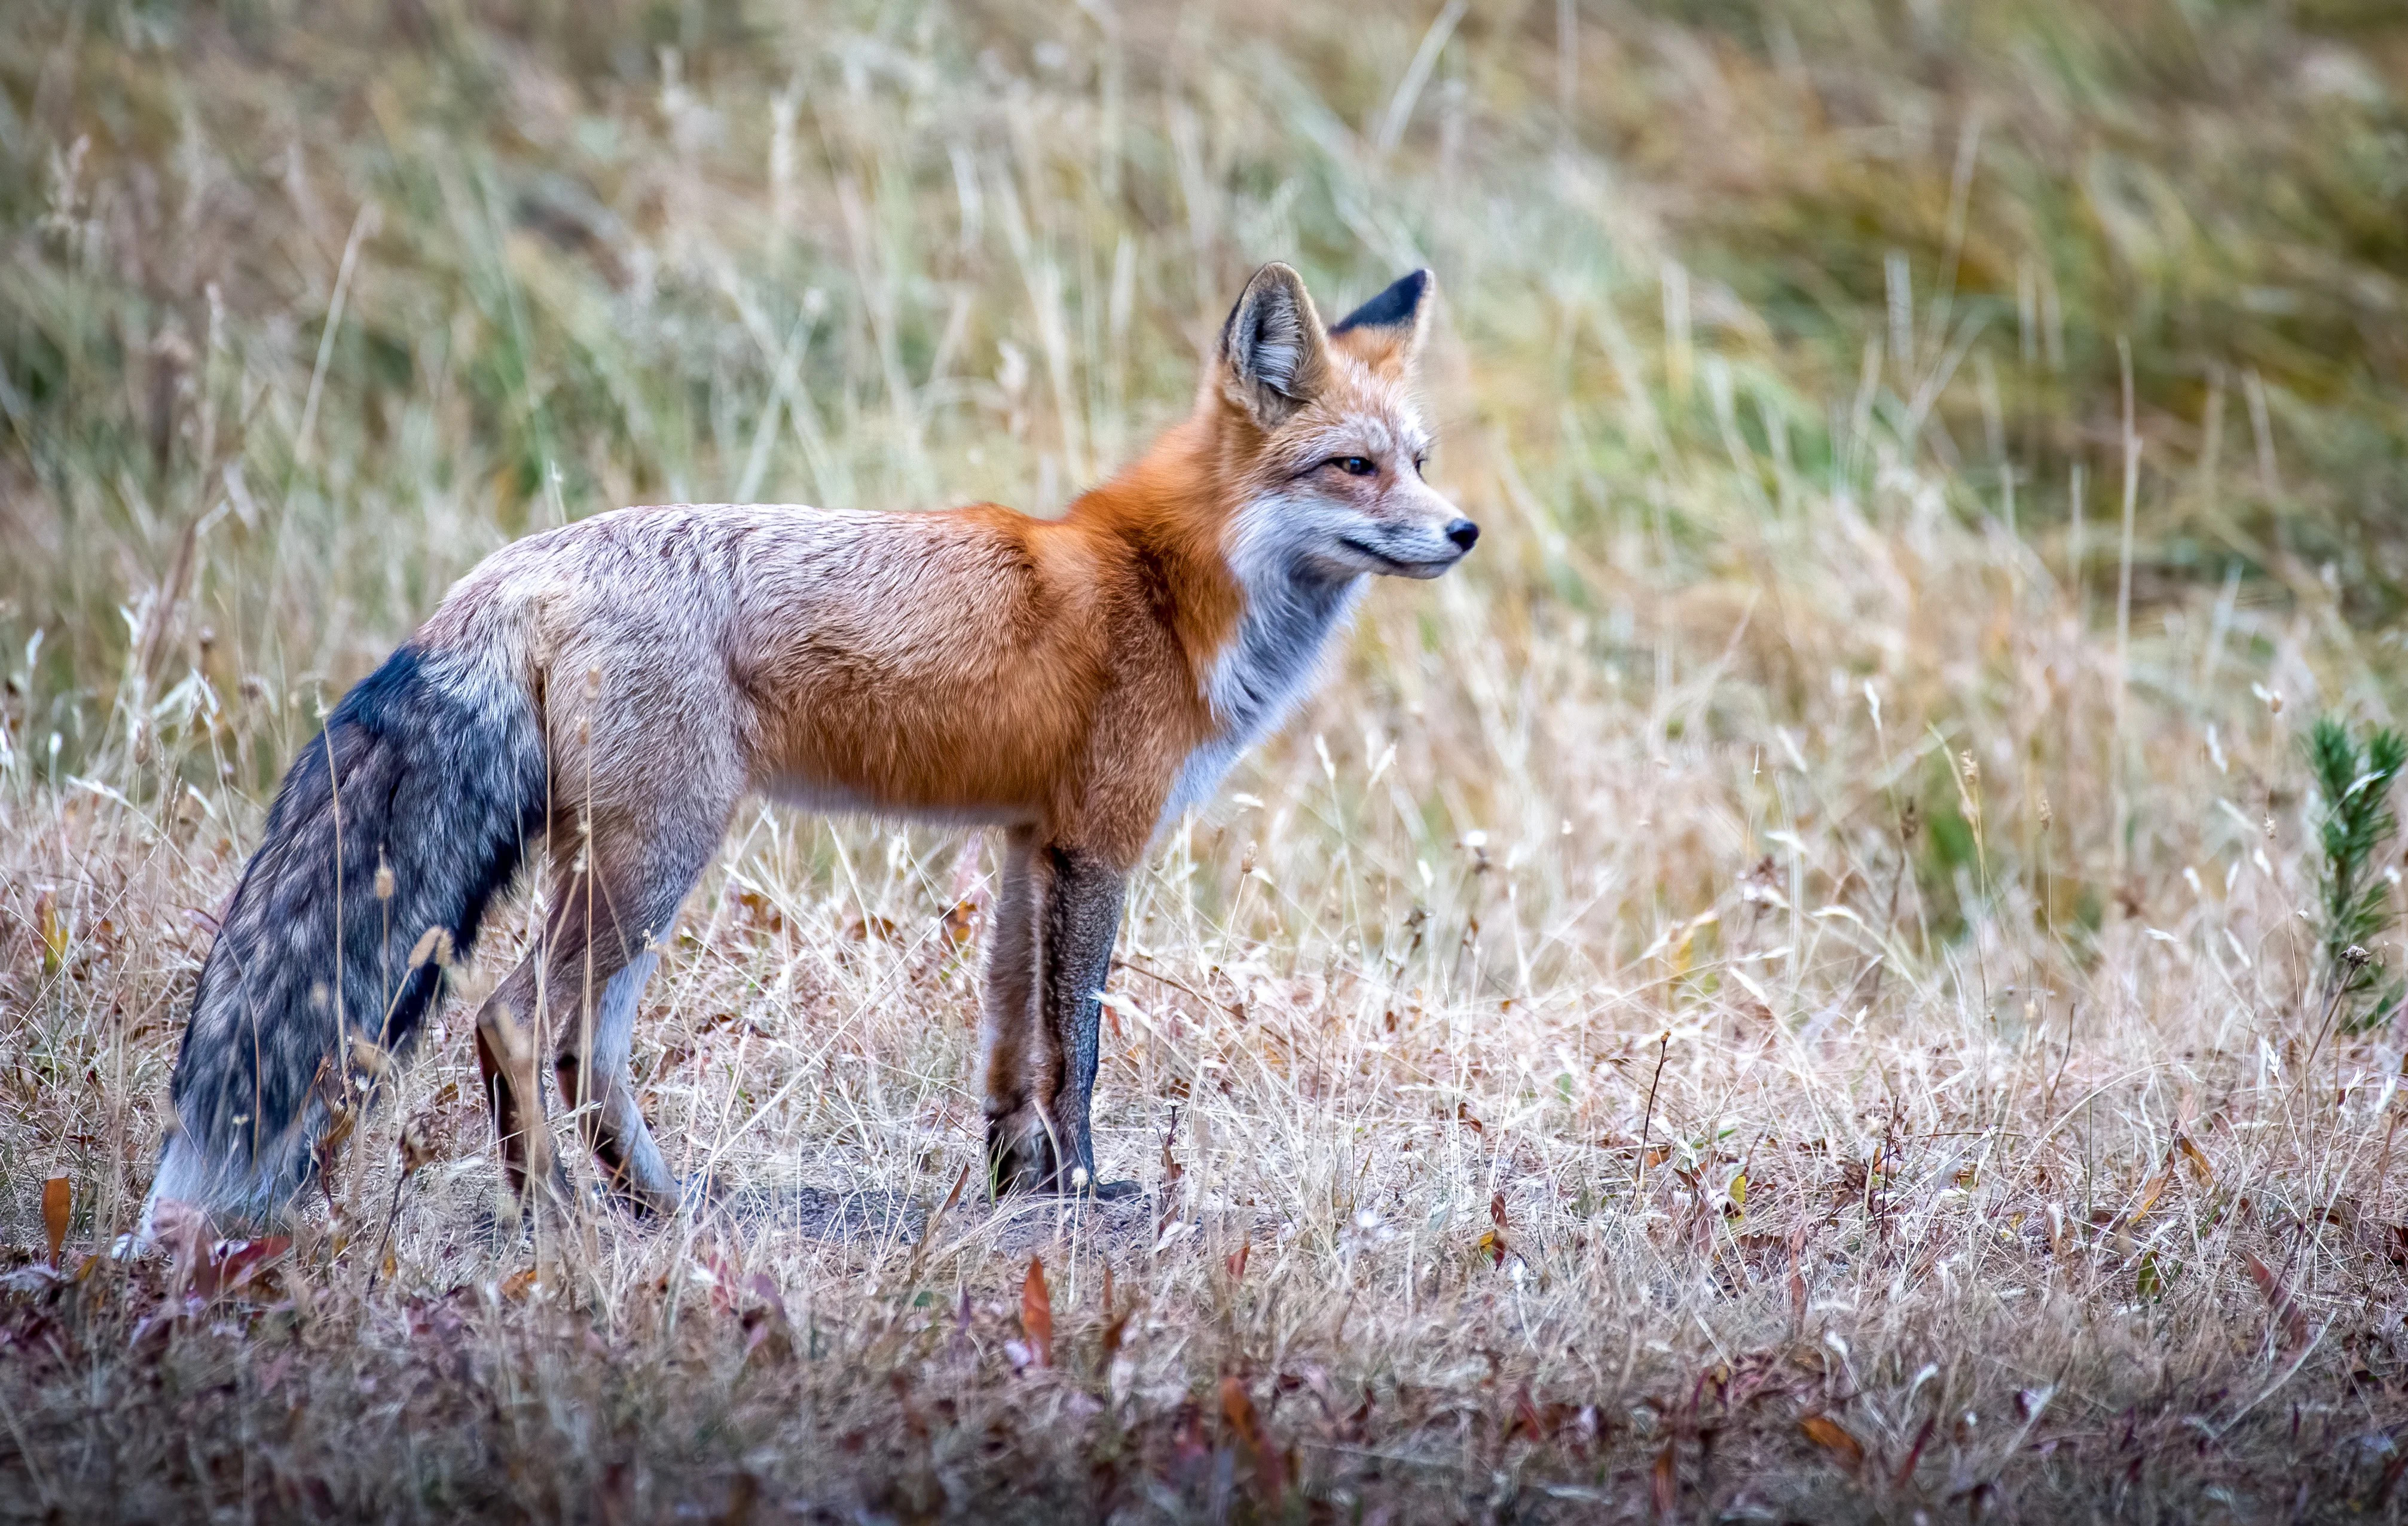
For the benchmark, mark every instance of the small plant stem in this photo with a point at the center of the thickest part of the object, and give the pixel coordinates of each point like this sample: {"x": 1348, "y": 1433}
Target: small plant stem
{"x": 2324, "y": 1025}
{"x": 2124, "y": 613}
{"x": 1647, "y": 1121}
{"x": 391, "y": 1212}
{"x": 2383, "y": 1164}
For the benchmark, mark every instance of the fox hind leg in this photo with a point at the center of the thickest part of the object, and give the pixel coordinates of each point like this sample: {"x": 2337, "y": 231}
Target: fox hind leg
{"x": 611, "y": 904}
{"x": 513, "y": 1093}
{"x": 601, "y": 1089}
{"x": 607, "y": 930}
{"x": 593, "y": 1077}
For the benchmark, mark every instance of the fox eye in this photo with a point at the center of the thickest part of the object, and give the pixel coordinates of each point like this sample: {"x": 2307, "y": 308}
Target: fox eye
{"x": 1353, "y": 465}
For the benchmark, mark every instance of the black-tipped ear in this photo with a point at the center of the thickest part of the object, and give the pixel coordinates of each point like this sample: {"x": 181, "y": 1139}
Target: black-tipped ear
{"x": 1398, "y": 306}
{"x": 1274, "y": 357}
{"x": 1386, "y": 332}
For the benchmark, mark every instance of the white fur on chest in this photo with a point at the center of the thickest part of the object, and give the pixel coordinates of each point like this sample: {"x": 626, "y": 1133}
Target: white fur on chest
{"x": 1274, "y": 657}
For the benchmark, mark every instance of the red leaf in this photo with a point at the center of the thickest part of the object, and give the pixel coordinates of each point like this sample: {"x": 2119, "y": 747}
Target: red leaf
{"x": 1115, "y": 1319}
{"x": 1833, "y": 1438}
{"x": 723, "y": 1279}
{"x": 57, "y": 1198}
{"x": 1915, "y": 1453}
{"x": 2282, "y": 1308}
{"x": 1526, "y": 1418}
{"x": 1037, "y": 1313}
{"x": 239, "y": 1261}
{"x": 1270, "y": 1465}
{"x": 1238, "y": 1261}
{"x": 1238, "y": 1408}
{"x": 760, "y": 1286}
{"x": 1665, "y": 1484}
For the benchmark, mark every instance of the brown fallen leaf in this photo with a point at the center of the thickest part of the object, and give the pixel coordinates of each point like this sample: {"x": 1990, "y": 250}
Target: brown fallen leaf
{"x": 342, "y": 1119}
{"x": 369, "y": 1060}
{"x": 53, "y": 931}
{"x": 743, "y": 1494}
{"x": 1238, "y": 1408}
{"x": 1664, "y": 1483}
{"x": 2280, "y": 1306}
{"x": 2196, "y": 1158}
{"x": 58, "y": 1199}
{"x": 2152, "y": 1190}
{"x": 1171, "y": 1169}
{"x": 1239, "y": 1258}
{"x": 768, "y": 1339}
{"x": 1117, "y": 1316}
{"x": 1529, "y": 1419}
{"x": 961, "y": 920}
{"x": 1271, "y": 1465}
{"x": 928, "y": 1229}
{"x": 1833, "y": 1438}
{"x": 417, "y": 1148}
{"x": 1116, "y": 1328}
{"x": 1037, "y": 1313}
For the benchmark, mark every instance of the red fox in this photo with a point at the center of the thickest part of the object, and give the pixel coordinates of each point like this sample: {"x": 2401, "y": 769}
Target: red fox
{"x": 614, "y": 688}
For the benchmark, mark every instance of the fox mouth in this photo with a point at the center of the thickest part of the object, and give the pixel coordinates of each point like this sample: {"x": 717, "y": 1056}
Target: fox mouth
{"x": 1400, "y": 565}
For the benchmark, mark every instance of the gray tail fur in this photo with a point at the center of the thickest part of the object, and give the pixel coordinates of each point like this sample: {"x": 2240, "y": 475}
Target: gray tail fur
{"x": 410, "y": 811}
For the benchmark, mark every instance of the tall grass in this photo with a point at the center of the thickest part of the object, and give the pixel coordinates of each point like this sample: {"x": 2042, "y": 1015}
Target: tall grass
{"x": 2355, "y": 825}
{"x": 1779, "y": 988}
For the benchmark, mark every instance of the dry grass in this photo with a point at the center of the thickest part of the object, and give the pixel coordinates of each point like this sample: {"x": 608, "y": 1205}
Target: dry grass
{"x": 1778, "y": 993}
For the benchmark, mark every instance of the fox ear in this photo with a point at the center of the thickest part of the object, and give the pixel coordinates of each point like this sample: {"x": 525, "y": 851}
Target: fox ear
{"x": 1274, "y": 358}
{"x": 1386, "y": 332}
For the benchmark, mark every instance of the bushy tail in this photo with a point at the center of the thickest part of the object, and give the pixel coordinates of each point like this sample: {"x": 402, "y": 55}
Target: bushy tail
{"x": 407, "y": 813}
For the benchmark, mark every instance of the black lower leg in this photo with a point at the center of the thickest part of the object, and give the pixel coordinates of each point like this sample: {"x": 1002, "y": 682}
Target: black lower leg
{"x": 1081, "y": 920}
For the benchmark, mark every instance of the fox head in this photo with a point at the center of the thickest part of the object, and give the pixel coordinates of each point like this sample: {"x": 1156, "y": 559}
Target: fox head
{"x": 1320, "y": 430}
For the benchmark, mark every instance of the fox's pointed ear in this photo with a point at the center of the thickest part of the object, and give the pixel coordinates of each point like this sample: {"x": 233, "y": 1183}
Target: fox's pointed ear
{"x": 1386, "y": 332}
{"x": 1274, "y": 358}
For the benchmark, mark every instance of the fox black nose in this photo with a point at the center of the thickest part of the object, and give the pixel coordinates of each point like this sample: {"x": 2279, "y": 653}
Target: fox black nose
{"x": 1463, "y": 533}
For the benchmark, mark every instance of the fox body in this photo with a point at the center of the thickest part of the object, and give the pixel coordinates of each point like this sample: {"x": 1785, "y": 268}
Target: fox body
{"x": 616, "y": 687}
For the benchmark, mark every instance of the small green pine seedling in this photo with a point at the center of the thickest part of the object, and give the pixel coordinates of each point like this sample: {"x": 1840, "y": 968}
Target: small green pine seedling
{"x": 2353, "y": 897}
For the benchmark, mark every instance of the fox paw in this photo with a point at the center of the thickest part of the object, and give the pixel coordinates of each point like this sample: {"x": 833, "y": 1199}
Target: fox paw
{"x": 1020, "y": 1156}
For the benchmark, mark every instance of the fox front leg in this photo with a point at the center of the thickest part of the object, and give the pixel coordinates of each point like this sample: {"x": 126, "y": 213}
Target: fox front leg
{"x": 1056, "y": 914}
{"x": 1081, "y": 919}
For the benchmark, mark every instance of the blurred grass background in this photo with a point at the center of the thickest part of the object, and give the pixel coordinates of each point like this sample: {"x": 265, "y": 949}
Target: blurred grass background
{"x": 304, "y": 308}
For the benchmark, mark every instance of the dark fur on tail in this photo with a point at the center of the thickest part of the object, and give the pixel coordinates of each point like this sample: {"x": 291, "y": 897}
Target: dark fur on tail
{"x": 432, "y": 770}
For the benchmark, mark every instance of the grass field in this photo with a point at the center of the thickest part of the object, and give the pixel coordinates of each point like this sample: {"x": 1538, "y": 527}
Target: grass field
{"x": 1789, "y": 988}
